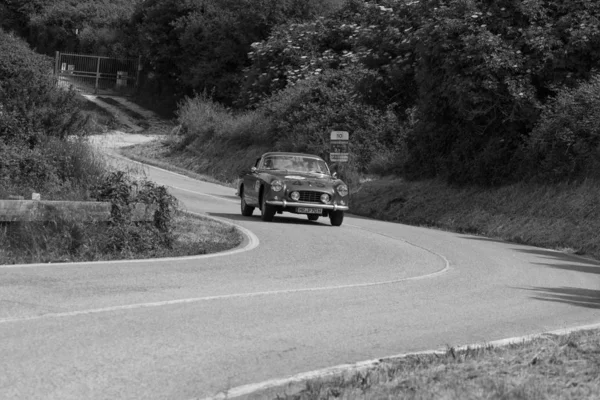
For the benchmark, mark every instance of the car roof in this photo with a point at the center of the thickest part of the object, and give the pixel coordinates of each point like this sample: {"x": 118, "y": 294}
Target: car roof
{"x": 283, "y": 153}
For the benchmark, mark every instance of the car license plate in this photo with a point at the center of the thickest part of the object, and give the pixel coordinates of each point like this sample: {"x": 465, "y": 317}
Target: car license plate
{"x": 304, "y": 210}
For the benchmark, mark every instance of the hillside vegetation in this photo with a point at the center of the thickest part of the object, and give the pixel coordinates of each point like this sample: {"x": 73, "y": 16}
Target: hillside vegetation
{"x": 43, "y": 150}
{"x": 474, "y": 95}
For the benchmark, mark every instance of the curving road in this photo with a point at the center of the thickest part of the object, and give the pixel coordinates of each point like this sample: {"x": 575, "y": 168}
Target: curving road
{"x": 309, "y": 296}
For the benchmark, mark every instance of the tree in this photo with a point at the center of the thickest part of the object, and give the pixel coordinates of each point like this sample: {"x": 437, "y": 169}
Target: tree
{"x": 202, "y": 45}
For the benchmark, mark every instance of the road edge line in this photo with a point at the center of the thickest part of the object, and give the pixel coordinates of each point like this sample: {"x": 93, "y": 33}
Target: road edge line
{"x": 296, "y": 383}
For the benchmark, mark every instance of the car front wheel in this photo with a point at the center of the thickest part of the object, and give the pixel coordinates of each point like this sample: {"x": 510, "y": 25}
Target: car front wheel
{"x": 336, "y": 218}
{"x": 267, "y": 211}
{"x": 246, "y": 209}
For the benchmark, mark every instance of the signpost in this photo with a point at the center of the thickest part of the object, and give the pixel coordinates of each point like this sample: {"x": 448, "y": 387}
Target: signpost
{"x": 339, "y": 146}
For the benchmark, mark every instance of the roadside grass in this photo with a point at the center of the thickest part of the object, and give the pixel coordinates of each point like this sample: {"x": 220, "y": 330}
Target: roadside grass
{"x": 564, "y": 217}
{"x": 550, "y": 367}
{"x": 158, "y": 153}
{"x": 69, "y": 240}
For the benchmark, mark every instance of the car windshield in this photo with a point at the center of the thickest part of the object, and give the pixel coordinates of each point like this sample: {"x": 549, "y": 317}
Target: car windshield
{"x": 296, "y": 164}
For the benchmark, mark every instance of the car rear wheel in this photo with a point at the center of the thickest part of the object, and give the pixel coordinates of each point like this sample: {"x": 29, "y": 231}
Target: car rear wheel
{"x": 336, "y": 218}
{"x": 246, "y": 209}
{"x": 267, "y": 211}
{"x": 312, "y": 217}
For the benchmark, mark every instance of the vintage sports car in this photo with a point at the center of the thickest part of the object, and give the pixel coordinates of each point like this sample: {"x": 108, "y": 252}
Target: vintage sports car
{"x": 293, "y": 182}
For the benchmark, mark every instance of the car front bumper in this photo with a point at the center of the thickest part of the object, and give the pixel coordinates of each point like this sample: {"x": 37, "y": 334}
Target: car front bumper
{"x": 286, "y": 204}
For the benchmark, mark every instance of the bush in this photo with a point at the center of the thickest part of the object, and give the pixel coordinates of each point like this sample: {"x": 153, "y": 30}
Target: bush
{"x": 39, "y": 126}
{"x": 31, "y": 106}
{"x": 565, "y": 144}
{"x": 124, "y": 192}
{"x": 299, "y": 118}
{"x": 58, "y": 169}
{"x": 304, "y": 115}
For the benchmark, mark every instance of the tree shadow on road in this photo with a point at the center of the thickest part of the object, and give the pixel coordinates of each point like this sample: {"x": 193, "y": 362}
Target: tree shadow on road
{"x": 578, "y": 297}
{"x": 556, "y": 259}
{"x": 565, "y": 261}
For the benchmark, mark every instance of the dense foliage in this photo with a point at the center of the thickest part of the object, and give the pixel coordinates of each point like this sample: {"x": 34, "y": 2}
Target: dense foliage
{"x": 469, "y": 76}
{"x": 202, "y": 45}
{"x": 90, "y": 26}
{"x": 42, "y": 150}
{"x": 36, "y": 118}
{"x": 566, "y": 142}
{"x": 471, "y": 83}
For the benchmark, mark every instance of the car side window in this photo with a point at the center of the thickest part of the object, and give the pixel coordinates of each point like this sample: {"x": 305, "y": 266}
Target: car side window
{"x": 267, "y": 163}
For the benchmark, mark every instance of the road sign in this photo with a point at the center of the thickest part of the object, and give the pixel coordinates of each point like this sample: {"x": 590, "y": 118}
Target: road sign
{"x": 339, "y": 146}
{"x": 338, "y": 157}
{"x": 340, "y": 135}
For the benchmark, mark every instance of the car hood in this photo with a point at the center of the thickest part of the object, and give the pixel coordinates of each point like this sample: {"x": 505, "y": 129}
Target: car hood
{"x": 305, "y": 179}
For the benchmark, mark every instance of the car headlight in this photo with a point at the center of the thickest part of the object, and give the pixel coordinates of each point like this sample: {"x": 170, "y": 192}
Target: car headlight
{"x": 325, "y": 198}
{"x": 276, "y": 185}
{"x": 342, "y": 190}
{"x": 295, "y": 196}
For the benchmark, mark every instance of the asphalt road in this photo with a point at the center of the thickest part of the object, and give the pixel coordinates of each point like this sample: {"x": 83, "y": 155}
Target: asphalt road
{"x": 309, "y": 296}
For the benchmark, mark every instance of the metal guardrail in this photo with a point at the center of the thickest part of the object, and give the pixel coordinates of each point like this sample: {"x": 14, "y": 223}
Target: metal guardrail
{"x": 45, "y": 210}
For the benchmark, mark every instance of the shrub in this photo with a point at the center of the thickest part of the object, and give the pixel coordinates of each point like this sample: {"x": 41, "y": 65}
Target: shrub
{"x": 305, "y": 114}
{"x": 298, "y": 118}
{"x": 565, "y": 143}
{"x": 39, "y": 124}
{"x": 124, "y": 192}
{"x": 31, "y": 106}
{"x": 204, "y": 121}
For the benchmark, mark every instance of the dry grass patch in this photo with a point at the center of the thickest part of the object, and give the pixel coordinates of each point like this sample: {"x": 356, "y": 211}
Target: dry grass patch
{"x": 195, "y": 234}
{"x": 553, "y": 367}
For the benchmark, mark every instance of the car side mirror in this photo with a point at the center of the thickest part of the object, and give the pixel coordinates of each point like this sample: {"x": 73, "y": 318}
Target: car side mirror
{"x": 253, "y": 169}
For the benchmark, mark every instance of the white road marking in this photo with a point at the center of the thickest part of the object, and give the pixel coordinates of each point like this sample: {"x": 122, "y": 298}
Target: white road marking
{"x": 221, "y": 297}
{"x": 407, "y": 242}
{"x": 280, "y": 385}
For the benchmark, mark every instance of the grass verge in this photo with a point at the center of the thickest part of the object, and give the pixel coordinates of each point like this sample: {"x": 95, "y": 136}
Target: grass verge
{"x": 551, "y": 367}
{"x": 564, "y": 217}
{"x": 66, "y": 240}
{"x": 159, "y": 154}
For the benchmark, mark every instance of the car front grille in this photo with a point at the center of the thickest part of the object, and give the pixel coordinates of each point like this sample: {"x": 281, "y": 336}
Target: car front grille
{"x": 310, "y": 197}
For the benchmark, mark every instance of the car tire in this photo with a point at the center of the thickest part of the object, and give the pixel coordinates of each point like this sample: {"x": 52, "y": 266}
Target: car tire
{"x": 312, "y": 217}
{"x": 246, "y": 209}
{"x": 267, "y": 211}
{"x": 336, "y": 218}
